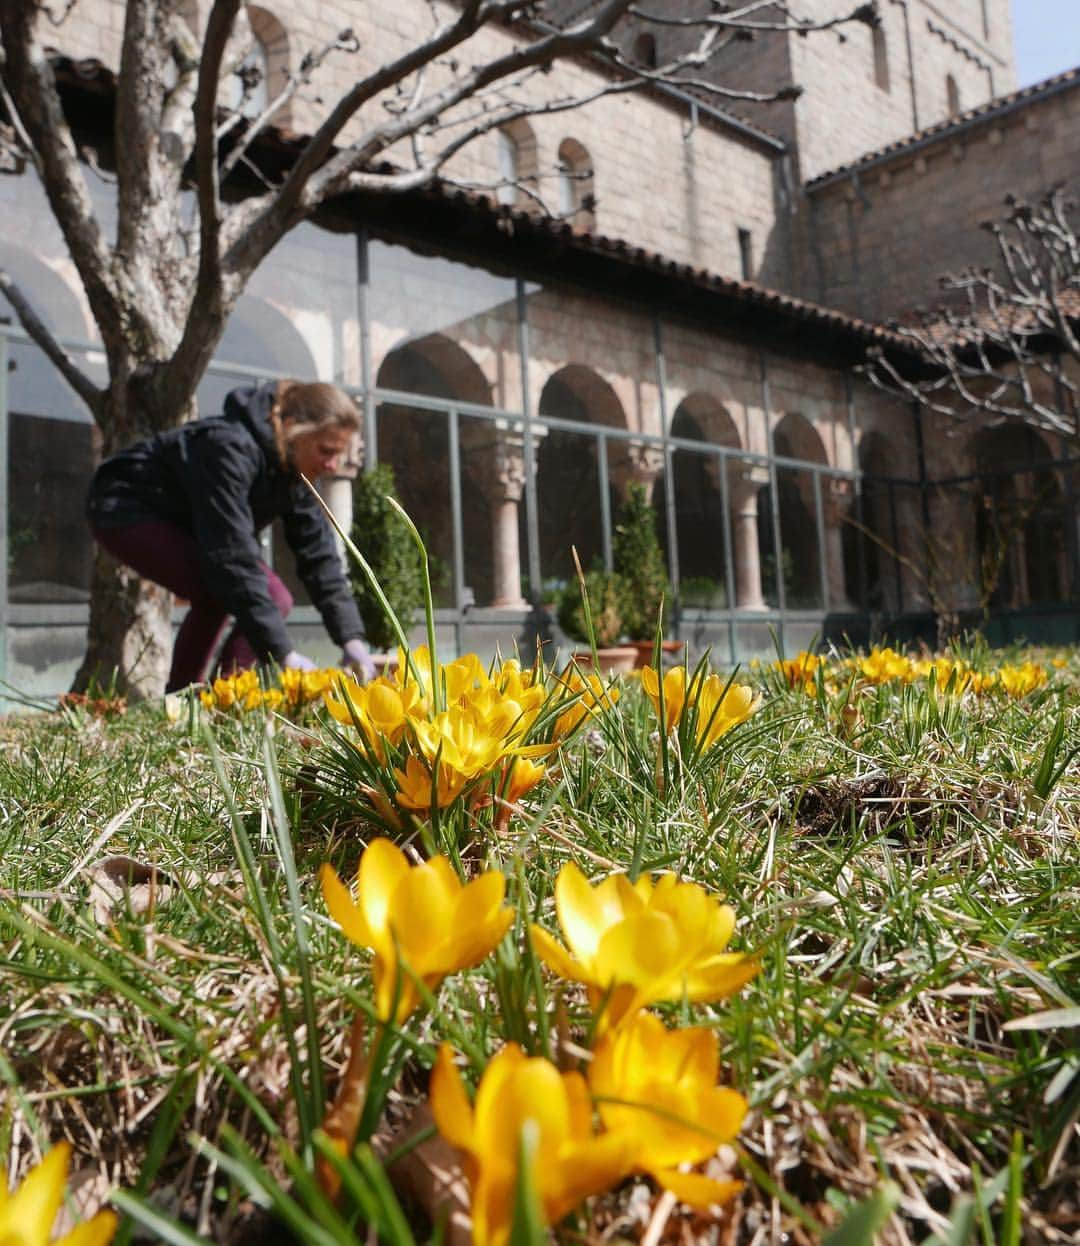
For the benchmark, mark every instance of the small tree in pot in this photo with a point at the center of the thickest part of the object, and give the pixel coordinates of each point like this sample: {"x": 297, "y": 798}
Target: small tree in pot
{"x": 639, "y": 563}
{"x": 385, "y": 542}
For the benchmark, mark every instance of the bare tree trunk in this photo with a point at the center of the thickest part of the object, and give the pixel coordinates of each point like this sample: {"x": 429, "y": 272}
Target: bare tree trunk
{"x": 129, "y": 640}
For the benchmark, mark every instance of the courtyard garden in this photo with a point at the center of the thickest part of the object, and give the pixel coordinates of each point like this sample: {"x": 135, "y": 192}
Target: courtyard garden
{"x": 784, "y": 955}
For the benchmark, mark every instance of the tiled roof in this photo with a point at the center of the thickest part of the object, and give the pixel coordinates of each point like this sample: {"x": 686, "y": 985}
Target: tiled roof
{"x": 943, "y": 129}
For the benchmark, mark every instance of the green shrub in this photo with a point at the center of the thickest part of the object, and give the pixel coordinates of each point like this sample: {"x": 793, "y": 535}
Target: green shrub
{"x": 384, "y": 540}
{"x": 605, "y": 589}
{"x": 639, "y": 562}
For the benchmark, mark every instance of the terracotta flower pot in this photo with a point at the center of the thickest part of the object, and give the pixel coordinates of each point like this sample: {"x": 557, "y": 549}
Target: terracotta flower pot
{"x": 618, "y": 658}
{"x": 644, "y": 650}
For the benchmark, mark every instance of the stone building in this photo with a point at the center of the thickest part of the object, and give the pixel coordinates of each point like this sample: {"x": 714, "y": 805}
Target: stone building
{"x": 690, "y": 317}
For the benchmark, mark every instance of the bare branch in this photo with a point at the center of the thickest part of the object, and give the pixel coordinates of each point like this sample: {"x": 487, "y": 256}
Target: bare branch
{"x": 1009, "y": 350}
{"x": 42, "y": 335}
{"x": 37, "y": 114}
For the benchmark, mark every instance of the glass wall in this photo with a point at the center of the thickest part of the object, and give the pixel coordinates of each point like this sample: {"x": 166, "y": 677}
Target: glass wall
{"x": 468, "y": 376}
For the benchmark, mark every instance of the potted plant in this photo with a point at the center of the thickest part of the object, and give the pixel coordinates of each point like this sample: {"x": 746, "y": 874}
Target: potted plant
{"x": 639, "y": 564}
{"x": 385, "y": 542}
{"x": 604, "y": 589}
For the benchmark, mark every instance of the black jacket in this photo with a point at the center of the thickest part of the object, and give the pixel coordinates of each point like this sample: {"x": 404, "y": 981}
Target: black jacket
{"x": 222, "y": 480}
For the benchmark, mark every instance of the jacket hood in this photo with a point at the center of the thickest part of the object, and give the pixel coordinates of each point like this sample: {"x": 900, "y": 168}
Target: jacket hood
{"x": 251, "y": 406}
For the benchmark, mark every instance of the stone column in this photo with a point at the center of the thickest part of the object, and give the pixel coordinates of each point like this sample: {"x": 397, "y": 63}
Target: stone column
{"x": 745, "y": 482}
{"x": 836, "y": 503}
{"x": 336, "y": 492}
{"x": 641, "y": 464}
{"x": 506, "y": 488}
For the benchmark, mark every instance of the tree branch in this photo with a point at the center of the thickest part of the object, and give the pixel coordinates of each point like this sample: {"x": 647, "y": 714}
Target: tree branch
{"x": 42, "y": 335}
{"x": 37, "y": 113}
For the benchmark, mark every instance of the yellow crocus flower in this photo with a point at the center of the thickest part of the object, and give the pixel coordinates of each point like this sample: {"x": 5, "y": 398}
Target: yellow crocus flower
{"x": 799, "y": 671}
{"x": 659, "y": 1087}
{"x": 27, "y": 1215}
{"x": 882, "y": 665}
{"x": 637, "y": 943}
{"x": 674, "y": 693}
{"x": 1018, "y": 681}
{"x": 414, "y": 786}
{"x": 717, "y": 711}
{"x": 570, "y": 1163}
{"x": 421, "y": 916}
{"x": 593, "y": 694}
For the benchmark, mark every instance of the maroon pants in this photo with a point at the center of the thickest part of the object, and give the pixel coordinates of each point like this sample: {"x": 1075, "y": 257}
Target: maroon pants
{"x": 169, "y": 556}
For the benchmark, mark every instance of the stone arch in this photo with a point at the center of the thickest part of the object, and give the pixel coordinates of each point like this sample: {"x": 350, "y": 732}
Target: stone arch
{"x": 799, "y": 560}
{"x": 261, "y": 46}
{"x": 567, "y": 474}
{"x": 577, "y": 186}
{"x": 699, "y": 499}
{"x": 50, "y": 445}
{"x": 259, "y": 335}
{"x": 1019, "y": 521}
{"x": 794, "y": 437}
{"x": 34, "y": 385}
{"x": 416, "y": 444}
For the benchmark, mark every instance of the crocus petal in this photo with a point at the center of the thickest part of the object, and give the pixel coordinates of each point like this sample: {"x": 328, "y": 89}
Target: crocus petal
{"x": 580, "y": 915}
{"x": 527, "y": 1089}
{"x": 587, "y": 1168}
{"x": 420, "y": 914}
{"x": 382, "y": 867}
{"x": 31, "y": 1210}
{"x": 450, "y": 1104}
{"x": 696, "y": 1190}
{"x": 471, "y": 944}
{"x": 340, "y": 906}
{"x": 555, "y": 956}
{"x": 642, "y": 950}
{"x": 721, "y": 976}
{"x": 96, "y": 1232}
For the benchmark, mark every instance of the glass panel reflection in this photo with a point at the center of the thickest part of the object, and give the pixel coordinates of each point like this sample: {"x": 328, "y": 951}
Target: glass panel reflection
{"x": 416, "y": 444}
{"x": 493, "y": 511}
{"x": 442, "y": 328}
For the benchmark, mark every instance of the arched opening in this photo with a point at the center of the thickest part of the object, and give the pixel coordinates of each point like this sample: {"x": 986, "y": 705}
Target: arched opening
{"x": 952, "y": 96}
{"x": 50, "y": 447}
{"x": 567, "y": 470}
{"x": 416, "y": 444}
{"x": 881, "y": 57}
{"x": 1019, "y": 524}
{"x": 516, "y": 162}
{"x": 871, "y": 540}
{"x": 577, "y": 198}
{"x": 799, "y": 560}
{"x": 699, "y": 500}
{"x": 645, "y": 50}
{"x": 263, "y": 70}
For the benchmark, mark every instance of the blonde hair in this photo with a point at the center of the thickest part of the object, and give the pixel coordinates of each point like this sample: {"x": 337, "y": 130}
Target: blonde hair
{"x": 309, "y": 407}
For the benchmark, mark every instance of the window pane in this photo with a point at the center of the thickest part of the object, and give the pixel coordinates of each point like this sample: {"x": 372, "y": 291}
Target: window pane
{"x": 417, "y": 445}
{"x": 50, "y": 551}
{"x": 799, "y": 563}
{"x": 493, "y": 511}
{"x": 568, "y": 499}
{"x": 699, "y": 526}
{"x": 442, "y": 328}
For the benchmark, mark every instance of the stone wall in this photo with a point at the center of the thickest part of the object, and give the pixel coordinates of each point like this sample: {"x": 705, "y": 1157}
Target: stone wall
{"x": 659, "y": 183}
{"x": 877, "y": 239}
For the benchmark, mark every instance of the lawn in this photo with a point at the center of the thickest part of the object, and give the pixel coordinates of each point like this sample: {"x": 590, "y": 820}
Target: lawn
{"x": 887, "y": 1036}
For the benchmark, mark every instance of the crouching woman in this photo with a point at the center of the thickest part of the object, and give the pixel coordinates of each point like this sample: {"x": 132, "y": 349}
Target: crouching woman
{"x": 185, "y": 509}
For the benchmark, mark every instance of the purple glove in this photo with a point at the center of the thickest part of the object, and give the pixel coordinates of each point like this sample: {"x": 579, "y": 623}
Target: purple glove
{"x": 357, "y": 656}
{"x": 294, "y": 661}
